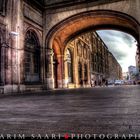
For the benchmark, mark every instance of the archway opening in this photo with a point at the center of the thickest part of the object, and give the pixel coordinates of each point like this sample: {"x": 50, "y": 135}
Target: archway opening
{"x": 122, "y": 49}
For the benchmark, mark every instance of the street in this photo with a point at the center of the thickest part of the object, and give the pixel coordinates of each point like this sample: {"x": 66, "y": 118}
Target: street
{"x": 113, "y": 110}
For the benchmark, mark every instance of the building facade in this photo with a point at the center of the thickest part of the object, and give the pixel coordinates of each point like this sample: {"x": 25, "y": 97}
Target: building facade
{"x": 99, "y": 59}
{"x": 137, "y": 60}
{"x": 138, "y": 66}
{"x": 115, "y": 70}
{"x": 86, "y": 60}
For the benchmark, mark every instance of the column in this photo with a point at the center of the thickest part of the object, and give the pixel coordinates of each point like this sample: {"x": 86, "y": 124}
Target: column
{"x": 14, "y": 20}
{"x": 65, "y": 73}
{"x": 60, "y": 71}
{"x": 49, "y": 69}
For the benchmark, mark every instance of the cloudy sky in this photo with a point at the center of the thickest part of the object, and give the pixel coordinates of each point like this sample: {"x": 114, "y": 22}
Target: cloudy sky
{"x": 122, "y": 46}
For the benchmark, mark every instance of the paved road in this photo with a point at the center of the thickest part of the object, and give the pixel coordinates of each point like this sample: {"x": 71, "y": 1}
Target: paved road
{"x": 114, "y": 110}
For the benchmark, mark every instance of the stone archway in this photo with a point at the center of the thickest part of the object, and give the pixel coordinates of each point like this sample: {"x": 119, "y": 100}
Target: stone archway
{"x": 69, "y": 28}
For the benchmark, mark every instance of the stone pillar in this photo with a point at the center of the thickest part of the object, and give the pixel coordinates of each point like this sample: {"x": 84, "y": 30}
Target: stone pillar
{"x": 75, "y": 68}
{"x": 65, "y": 85}
{"x": 54, "y": 71}
{"x": 49, "y": 69}
{"x": 14, "y": 20}
{"x": 3, "y": 48}
{"x": 18, "y": 44}
{"x": 60, "y": 71}
{"x": 89, "y": 72}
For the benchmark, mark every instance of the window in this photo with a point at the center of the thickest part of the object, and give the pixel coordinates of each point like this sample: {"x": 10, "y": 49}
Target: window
{"x": 80, "y": 72}
{"x": 85, "y": 52}
{"x": 79, "y": 47}
{"x": 85, "y": 73}
{"x": 32, "y": 57}
{"x": 2, "y": 7}
{"x": 69, "y": 65}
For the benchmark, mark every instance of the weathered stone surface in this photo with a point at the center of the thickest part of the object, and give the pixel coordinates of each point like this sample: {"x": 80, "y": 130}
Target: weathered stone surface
{"x": 33, "y": 14}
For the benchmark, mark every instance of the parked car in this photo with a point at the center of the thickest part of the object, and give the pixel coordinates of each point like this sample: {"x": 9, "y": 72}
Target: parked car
{"x": 118, "y": 82}
{"x": 111, "y": 82}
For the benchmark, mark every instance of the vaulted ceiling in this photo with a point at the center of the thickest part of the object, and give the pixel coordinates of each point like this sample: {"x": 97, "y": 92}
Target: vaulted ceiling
{"x": 62, "y": 3}
{"x": 49, "y": 2}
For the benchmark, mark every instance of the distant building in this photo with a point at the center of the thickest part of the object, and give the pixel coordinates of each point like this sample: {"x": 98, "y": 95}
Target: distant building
{"x": 138, "y": 60}
{"x": 115, "y": 70}
{"x": 87, "y": 59}
{"x": 132, "y": 70}
{"x": 138, "y": 65}
{"x": 99, "y": 59}
{"x": 125, "y": 76}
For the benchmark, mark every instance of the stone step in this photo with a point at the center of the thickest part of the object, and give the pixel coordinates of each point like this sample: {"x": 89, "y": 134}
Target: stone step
{"x": 34, "y": 87}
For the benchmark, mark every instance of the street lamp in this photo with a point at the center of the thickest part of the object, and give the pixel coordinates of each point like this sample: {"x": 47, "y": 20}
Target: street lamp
{"x": 12, "y": 33}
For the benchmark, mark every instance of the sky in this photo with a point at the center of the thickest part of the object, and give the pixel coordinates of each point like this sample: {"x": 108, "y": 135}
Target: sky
{"x": 122, "y": 46}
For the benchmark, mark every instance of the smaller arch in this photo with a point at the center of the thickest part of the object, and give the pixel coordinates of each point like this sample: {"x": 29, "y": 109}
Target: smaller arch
{"x": 31, "y": 35}
{"x": 36, "y": 33}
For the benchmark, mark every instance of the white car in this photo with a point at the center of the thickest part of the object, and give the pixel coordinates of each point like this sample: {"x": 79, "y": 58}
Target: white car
{"x": 118, "y": 82}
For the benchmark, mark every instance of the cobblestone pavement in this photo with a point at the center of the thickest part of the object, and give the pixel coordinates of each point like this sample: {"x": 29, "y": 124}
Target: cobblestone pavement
{"x": 113, "y": 110}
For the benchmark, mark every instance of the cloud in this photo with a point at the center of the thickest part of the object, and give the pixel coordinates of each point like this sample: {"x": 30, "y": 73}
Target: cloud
{"x": 121, "y": 45}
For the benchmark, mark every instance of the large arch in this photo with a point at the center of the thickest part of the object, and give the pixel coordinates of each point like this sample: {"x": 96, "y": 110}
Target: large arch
{"x": 98, "y": 19}
{"x": 69, "y": 28}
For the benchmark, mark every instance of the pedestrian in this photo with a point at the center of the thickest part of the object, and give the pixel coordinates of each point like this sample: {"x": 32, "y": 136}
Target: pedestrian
{"x": 106, "y": 83}
{"x": 92, "y": 82}
{"x": 103, "y": 82}
{"x": 81, "y": 82}
{"x": 95, "y": 83}
{"x": 100, "y": 84}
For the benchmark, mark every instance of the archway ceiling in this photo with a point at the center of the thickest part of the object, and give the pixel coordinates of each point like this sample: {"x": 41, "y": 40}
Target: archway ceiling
{"x": 82, "y": 23}
{"x": 66, "y": 3}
